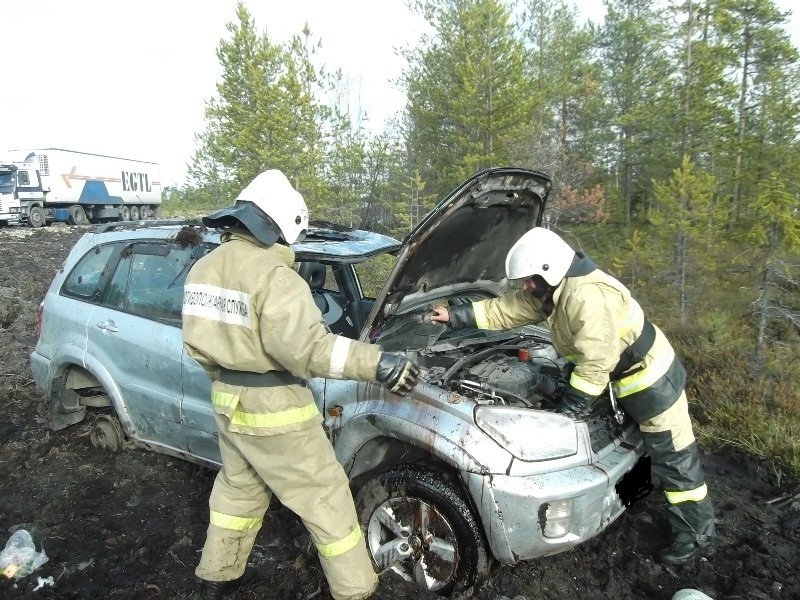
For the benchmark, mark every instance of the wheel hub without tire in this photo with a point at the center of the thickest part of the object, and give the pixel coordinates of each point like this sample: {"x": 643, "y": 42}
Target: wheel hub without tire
{"x": 107, "y": 434}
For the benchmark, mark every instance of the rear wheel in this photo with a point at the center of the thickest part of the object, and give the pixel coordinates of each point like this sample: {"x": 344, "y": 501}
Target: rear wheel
{"x": 125, "y": 214}
{"x": 420, "y": 526}
{"x": 134, "y": 213}
{"x": 77, "y": 216}
{"x": 36, "y": 216}
{"x": 107, "y": 434}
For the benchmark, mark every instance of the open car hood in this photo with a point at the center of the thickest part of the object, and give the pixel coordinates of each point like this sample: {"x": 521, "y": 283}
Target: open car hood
{"x": 462, "y": 243}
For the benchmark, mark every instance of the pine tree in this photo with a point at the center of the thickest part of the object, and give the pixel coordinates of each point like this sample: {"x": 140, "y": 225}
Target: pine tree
{"x": 467, "y": 96}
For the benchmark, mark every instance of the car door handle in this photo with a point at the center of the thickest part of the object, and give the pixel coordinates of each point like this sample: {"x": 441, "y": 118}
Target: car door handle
{"x": 107, "y": 326}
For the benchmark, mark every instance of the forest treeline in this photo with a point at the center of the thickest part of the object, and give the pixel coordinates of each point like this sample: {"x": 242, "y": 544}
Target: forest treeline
{"x": 670, "y": 131}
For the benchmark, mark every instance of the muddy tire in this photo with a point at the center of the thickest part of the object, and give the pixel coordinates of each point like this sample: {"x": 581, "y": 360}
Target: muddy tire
{"x": 36, "y": 216}
{"x": 420, "y": 526}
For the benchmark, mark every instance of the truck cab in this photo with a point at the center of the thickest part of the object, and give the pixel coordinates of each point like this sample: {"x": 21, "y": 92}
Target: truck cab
{"x": 9, "y": 201}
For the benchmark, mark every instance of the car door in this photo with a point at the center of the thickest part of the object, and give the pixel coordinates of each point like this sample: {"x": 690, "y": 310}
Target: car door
{"x": 134, "y": 332}
{"x": 201, "y": 428}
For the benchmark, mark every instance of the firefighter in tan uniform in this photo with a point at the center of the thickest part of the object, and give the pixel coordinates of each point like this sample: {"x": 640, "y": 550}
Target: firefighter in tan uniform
{"x": 597, "y": 326}
{"x": 250, "y": 321}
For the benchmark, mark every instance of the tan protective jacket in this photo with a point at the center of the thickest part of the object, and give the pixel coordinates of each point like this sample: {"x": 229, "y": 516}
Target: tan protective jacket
{"x": 246, "y": 309}
{"x": 594, "y": 319}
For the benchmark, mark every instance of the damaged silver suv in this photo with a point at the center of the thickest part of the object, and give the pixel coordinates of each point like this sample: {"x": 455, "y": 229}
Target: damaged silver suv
{"x": 472, "y": 467}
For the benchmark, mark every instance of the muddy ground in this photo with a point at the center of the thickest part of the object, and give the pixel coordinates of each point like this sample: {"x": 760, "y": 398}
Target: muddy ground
{"x": 131, "y": 524}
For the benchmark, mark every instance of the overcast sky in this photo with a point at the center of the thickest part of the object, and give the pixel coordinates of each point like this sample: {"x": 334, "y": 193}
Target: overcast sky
{"x": 130, "y": 77}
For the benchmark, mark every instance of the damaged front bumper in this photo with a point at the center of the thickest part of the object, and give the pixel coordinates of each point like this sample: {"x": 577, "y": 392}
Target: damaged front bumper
{"x": 542, "y": 514}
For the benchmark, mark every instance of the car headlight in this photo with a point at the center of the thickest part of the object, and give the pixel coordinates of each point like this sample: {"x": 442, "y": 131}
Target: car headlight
{"x": 529, "y": 434}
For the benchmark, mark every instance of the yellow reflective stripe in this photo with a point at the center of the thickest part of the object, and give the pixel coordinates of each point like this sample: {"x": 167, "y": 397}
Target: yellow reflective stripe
{"x": 633, "y": 314}
{"x": 694, "y": 495}
{"x": 290, "y": 416}
{"x": 648, "y": 376}
{"x": 481, "y": 320}
{"x": 341, "y": 347}
{"x": 342, "y": 546}
{"x": 234, "y": 523}
{"x": 224, "y": 399}
{"x": 587, "y": 387}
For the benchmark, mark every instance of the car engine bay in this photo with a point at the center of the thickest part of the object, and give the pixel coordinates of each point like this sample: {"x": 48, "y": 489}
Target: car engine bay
{"x": 517, "y": 368}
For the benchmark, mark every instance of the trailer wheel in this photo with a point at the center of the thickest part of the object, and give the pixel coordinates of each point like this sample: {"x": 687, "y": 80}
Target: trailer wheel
{"x": 77, "y": 216}
{"x": 125, "y": 214}
{"x": 36, "y": 216}
{"x": 134, "y": 213}
{"x": 145, "y": 213}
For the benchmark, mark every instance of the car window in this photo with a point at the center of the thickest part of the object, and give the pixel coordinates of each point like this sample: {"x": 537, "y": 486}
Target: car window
{"x": 149, "y": 278}
{"x": 330, "y": 279}
{"x": 373, "y": 273}
{"x": 85, "y": 279}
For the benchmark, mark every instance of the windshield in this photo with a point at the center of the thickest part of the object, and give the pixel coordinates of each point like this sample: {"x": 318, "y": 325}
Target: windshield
{"x": 7, "y": 181}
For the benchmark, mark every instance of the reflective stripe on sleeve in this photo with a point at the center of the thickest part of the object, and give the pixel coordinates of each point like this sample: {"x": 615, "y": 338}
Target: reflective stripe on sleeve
{"x": 694, "y": 495}
{"x": 587, "y": 387}
{"x": 341, "y": 348}
{"x": 343, "y": 545}
{"x": 634, "y": 311}
{"x": 481, "y": 321}
{"x": 234, "y": 523}
{"x": 290, "y": 416}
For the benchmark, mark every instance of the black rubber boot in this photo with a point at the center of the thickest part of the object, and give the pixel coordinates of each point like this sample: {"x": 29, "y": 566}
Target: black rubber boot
{"x": 211, "y": 590}
{"x": 679, "y": 553}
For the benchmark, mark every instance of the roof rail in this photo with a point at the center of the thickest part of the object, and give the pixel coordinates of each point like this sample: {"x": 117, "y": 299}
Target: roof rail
{"x": 122, "y": 225}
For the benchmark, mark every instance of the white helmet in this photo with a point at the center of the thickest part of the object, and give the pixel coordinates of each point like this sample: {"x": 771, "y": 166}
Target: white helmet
{"x": 269, "y": 195}
{"x": 539, "y": 252}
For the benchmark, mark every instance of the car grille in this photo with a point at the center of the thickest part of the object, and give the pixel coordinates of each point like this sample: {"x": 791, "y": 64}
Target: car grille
{"x": 604, "y": 428}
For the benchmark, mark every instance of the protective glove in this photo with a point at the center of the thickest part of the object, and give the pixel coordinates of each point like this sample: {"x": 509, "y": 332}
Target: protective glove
{"x": 462, "y": 317}
{"x": 575, "y": 403}
{"x": 397, "y": 372}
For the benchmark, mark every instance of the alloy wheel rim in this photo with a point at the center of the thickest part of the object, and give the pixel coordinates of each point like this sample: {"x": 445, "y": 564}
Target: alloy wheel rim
{"x": 412, "y": 538}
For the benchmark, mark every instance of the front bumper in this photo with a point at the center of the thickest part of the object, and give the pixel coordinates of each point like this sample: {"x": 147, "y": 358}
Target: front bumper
{"x": 513, "y": 509}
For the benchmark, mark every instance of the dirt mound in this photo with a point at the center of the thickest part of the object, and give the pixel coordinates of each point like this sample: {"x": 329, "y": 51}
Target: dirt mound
{"x": 131, "y": 524}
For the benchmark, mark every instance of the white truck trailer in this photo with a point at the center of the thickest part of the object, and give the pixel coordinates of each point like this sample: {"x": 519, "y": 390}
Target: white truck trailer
{"x": 41, "y": 186}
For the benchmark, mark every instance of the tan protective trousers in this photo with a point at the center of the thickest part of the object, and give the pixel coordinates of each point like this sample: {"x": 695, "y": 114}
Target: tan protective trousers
{"x": 301, "y": 469}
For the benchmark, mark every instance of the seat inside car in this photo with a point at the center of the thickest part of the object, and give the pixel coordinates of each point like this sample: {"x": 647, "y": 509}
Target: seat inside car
{"x": 314, "y": 273}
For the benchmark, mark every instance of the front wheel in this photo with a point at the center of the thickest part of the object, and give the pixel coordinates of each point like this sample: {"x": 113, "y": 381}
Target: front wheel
{"x": 36, "y": 216}
{"x": 420, "y": 526}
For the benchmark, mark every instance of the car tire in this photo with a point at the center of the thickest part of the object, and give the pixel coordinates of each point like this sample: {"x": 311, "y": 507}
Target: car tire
{"x": 36, "y": 216}
{"x": 420, "y": 525}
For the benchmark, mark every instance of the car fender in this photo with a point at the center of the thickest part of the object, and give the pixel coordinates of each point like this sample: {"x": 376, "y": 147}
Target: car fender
{"x": 438, "y": 422}
{"x": 104, "y": 378}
